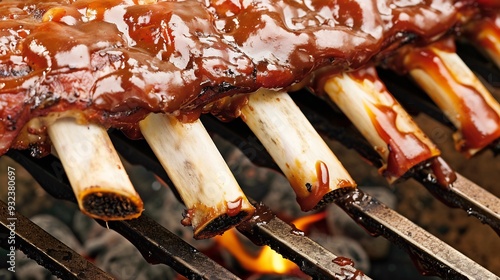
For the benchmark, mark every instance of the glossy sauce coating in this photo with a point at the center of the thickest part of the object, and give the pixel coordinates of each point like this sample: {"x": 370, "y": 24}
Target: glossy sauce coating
{"x": 318, "y": 189}
{"x": 445, "y": 176}
{"x": 485, "y": 32}
{"x": 363, "y": 97}
{"x": 406, "y": 148}
{"x": 234, "y": 207}
{"x": 343, "y": 261}
{"x": 478, "y": 121}
{"x": 116, "y": 60}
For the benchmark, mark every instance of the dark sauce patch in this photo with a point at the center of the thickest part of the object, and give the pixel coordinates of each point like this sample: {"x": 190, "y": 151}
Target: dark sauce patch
{"x": 332, "y": 196}
{"x": 445, "y": 176}
{"x": 437, "y": 172}
{"x": 110, "y": 206}
{"x": 262, "y": 215}
{"x": 186, "y": 217}
{"x": 343, "y": 261}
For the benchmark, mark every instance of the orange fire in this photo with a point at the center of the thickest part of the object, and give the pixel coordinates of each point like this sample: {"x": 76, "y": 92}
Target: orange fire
{"x": 305, "y": 222}
{"x": 266, "y": 261}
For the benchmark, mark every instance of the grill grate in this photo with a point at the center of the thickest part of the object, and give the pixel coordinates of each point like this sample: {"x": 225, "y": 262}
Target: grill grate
{"x": 158, "y": 245}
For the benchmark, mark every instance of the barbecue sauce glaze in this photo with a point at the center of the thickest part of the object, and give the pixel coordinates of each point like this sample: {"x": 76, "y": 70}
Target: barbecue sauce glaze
{"x": 343, "y": 261}
{"x": 477, "y": 120}
{"x": 404, "y": 145}
{"x": 115, "y": 61}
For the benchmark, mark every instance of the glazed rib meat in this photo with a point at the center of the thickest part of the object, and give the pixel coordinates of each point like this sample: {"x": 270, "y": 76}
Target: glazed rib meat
{"x": 113, "y": 62}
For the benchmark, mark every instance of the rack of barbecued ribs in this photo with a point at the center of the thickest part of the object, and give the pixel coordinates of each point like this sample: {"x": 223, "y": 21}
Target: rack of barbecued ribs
{"x": 70, "y": 70}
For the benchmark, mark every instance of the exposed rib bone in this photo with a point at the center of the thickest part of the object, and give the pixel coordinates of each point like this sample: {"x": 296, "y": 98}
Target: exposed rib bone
{"x": 209, "y": 190}
{"x": 486, "y": 34}
{"x": 458, "y": 92}
{"x": 311, "y": 167}
{"x": 96, "y": 174}
{"x": 382, "y": 121}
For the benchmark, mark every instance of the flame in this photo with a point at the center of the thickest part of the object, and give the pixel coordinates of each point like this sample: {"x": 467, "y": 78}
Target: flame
{"x": 305, "y": 222}
{"x": 266, "y": 261}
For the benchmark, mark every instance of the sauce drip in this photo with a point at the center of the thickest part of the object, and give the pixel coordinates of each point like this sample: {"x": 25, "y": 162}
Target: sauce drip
{"x": 323, "y": 175}
{"x": 187, "y": 216}
{"x": 445, "y": 176}
{"x": 318, "y": 189}
{"x": 343, "y": 261}
{"x": 405, "y": 148}
{"x": 234, "y": 207}
{"x": 478, "y": 122}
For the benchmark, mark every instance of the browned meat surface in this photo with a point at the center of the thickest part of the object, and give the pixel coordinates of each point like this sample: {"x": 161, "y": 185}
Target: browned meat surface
{"x": 114, "y": 61}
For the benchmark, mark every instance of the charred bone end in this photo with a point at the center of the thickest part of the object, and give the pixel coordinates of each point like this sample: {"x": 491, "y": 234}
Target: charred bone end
{"x": 208, "y": 222}
{"x": 110, "y": 206}
{"x": 221, "y": 224}
{"x": 94, "y": 169}
{"x": 305, "y": 159}
{"x": 326, "y": 199}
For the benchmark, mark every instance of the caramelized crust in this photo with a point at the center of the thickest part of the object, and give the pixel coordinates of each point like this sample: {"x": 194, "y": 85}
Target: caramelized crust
{"x": 114, "y": 61}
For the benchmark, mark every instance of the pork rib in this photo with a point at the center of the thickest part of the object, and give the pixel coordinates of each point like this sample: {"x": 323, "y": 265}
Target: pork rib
{"x": 113, "y": 62}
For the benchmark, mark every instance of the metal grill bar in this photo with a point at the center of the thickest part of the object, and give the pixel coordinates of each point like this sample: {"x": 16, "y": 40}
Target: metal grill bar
{"x": 466, "y": 195}
{"x": 49, "y": 252}
{"x": 433, "y": 256}
{"x": 157, "y": 244}
{"x": 378, "y": 218}
{"x": 312, "y": 258}
{"x": 483, "y": 200}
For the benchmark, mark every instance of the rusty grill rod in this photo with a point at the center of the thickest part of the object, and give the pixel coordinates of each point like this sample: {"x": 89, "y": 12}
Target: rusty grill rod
{"x": 157, "y": 244}
{"x": 433, "y": 254}
{"x": 45, "y": 249}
